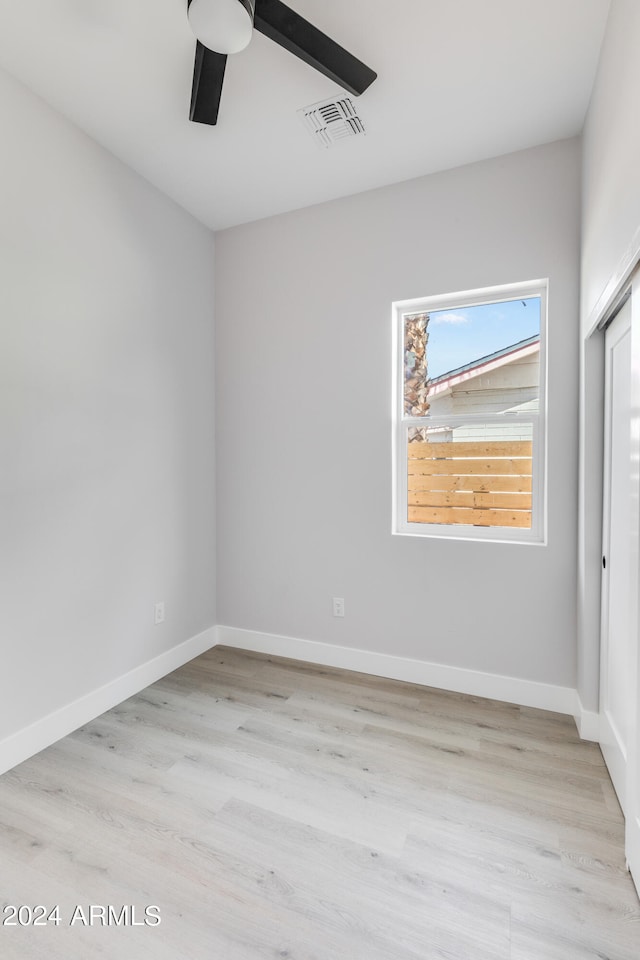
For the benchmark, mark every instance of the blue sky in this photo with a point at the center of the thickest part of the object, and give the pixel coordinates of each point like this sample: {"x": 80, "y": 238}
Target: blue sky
{"x": 463, "y": 334}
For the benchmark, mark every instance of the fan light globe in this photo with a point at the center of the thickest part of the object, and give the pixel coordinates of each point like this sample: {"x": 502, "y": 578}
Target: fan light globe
{"x": 224, "y": 26}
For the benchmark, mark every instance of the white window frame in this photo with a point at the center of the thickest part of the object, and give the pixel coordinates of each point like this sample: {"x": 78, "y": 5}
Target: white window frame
{"x": 401, "y": 423}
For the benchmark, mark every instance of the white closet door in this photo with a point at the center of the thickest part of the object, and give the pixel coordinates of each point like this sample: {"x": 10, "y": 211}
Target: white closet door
{"x": 632, "y": 811}
{"x": 617, "y": 689}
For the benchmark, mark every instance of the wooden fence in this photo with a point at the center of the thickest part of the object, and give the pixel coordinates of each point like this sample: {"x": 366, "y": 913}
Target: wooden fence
{"x": 484, "y": 483}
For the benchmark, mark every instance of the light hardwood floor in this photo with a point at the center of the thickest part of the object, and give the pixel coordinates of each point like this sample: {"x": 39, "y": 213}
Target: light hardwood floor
{"x": 273, "y": 809}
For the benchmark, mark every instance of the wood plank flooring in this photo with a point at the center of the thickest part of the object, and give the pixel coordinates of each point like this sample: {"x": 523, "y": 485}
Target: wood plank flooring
{"x": 272, "y": 809}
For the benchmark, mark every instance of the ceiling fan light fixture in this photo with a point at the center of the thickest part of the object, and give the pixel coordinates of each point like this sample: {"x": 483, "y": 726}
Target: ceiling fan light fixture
{"x": 224, "y": 26}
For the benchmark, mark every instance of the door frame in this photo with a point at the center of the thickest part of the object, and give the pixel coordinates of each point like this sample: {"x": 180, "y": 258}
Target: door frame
{"x": 591, "y": 524}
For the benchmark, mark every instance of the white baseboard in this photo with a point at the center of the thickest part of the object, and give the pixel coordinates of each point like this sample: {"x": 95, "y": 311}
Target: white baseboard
{"x": 588, "y": 723}
{"x": 529, "y": 693}
{"x": 526, "y": 693}
{"x": 616, "y": 758}
{"x": 46, "y": 731}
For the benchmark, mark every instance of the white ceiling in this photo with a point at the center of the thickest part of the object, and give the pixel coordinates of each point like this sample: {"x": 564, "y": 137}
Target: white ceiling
{"x": 458, "y": 81}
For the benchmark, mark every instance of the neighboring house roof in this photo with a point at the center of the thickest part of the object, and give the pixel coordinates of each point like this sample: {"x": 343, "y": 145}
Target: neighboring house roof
{"x": 516, "y": 351}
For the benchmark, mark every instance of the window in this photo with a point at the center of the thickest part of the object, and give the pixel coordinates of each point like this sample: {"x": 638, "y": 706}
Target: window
{"x": 469, "y": 412}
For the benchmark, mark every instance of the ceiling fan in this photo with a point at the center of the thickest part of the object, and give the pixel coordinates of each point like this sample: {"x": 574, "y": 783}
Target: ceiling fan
{"x": 223, "y": 27}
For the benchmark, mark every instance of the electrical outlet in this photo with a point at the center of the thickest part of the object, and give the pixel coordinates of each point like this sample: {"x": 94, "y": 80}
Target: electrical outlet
{"x": 338, "y": 606}
{"x": 159, "y": 612}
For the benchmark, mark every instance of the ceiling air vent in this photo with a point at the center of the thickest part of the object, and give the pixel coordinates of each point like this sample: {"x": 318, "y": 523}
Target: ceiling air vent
{"x": 332, "y": 121}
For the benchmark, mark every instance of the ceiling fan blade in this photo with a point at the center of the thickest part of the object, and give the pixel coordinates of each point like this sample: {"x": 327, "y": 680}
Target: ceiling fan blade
{"x": 278, "y": 22}
{"x": 208, "y": 77}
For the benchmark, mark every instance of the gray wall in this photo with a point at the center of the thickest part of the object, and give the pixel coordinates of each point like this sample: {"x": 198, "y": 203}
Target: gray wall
{"x": 303, "y": 372}
{"x": 611, "y": 156}
{"x": 610, "y": 231}
{"x": 106, "y": 416}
